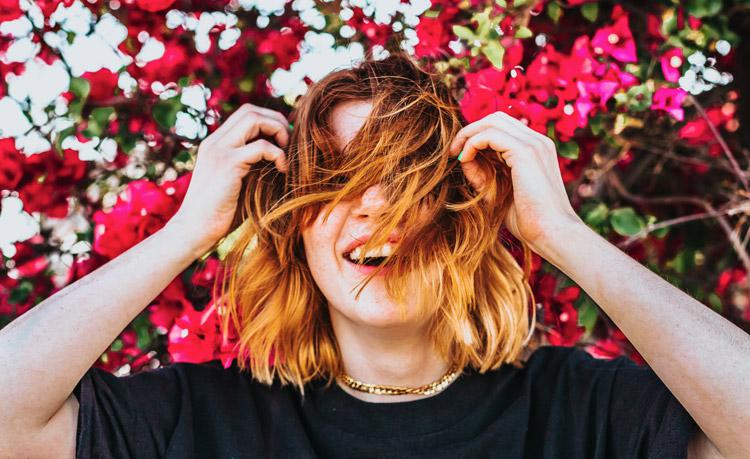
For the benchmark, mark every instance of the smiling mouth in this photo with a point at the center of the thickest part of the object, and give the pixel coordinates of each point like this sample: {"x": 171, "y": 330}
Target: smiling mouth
{"x": 368, "y": 261}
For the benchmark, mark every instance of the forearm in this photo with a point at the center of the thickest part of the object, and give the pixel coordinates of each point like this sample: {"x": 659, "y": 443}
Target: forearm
{"x": 46, "y": 351}
{"x": 699, "y": 355}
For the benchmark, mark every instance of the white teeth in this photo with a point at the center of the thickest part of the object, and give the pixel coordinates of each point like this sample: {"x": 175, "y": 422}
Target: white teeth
{"x": 382, "y": 251}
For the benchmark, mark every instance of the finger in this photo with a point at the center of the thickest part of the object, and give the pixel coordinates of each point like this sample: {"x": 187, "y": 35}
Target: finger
{"x": 263, "y": 149}
{"x": 499, "y": 120}
{"x": 232, "y": 120}
{"x": 271, "y": 113}
{"x": 251, "y": 125}
{"x": 490, "y": 138}
{"x": 241, "y": 112}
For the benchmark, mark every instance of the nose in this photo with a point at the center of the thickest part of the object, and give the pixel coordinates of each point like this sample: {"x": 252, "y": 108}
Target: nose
{"x": 371, "y": 203}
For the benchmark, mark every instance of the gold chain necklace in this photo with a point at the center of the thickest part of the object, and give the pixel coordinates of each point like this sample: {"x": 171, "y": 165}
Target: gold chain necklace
{"x": 381, "y": 389}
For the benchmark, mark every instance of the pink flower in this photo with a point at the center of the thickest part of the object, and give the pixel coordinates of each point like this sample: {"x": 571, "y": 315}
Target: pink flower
{"x": 144, "y": 210}
{"x": 193, "y": 336}
{"x": 594, "y": 93}
{"x": 671, "y": 61}
{"x": 616, "y": 41}
{"x": 670, "y": 100}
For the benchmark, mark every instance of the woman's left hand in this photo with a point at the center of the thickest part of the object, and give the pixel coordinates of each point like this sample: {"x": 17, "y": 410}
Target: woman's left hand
{"x": 540, "y": 203}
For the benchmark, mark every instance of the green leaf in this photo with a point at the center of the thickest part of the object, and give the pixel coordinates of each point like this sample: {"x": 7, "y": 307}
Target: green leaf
{"x": 554, "y": 11}
{"x": 431, "y": 14}
{"x": 625, "y": 221}
{"x": 494, "y": 52}
{"x": 98, "y": 120}
{"x": 116, "y": 345}
{"x": 80, "y": 87}
{"x": 703, "y": 8}
{"x": 501, "y": 3}
{"x": 165, "y": 112}
{"x": 182, "y": 157}
{"x": 142, "y": 327}
{"x": 590, "y": 11}
{"x": 588, "y": 314}
{"x": 523, "y": 32}
{"x": 596, "y": 124}
{"x": 463, "y": 32}
{"x": 62, "y": 135}
{"x": 715, "y": 302}
{"x": 485, "y": 23}
{"x": 568, "y": 150}
{"x": 595, "y": 214}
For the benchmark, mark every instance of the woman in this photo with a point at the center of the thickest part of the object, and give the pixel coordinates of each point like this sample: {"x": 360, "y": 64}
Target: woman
{"x": 427, "y": 352}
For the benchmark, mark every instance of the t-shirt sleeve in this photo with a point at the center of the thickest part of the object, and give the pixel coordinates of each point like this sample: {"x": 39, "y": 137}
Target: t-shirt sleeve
{"x": 643, "y": 418}
{"x": 128, "y": 416}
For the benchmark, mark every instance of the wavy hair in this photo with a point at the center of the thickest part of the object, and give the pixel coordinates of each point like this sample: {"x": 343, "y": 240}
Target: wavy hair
{"x": 452, "y": 261}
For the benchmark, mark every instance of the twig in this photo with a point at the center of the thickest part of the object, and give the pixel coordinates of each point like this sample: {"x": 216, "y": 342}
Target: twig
{"x": 735, "y": 166}
{"x": 719, "y": 216}
{"x": 745, "y": 206}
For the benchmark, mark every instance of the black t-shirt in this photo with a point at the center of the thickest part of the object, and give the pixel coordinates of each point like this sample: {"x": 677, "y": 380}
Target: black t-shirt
{"x": 562, "y": 404}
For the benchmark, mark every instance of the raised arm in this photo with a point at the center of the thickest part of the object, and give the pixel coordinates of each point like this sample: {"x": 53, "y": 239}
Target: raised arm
{"x": 47, "y": 350}
{"x": 699, "y": 355}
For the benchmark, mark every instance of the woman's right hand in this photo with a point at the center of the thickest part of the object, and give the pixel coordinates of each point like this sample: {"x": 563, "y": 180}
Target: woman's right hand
{"x": 223, "y": 159}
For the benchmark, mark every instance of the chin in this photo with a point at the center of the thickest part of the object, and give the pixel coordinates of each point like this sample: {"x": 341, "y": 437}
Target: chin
{"x": 374, "y": 311}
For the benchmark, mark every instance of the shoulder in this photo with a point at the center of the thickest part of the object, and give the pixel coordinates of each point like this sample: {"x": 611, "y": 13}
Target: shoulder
{"x": 559, "y": 358}
{"x": 574, "y": 369}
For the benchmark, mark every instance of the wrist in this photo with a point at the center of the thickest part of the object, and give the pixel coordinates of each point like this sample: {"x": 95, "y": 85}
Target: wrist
{"x": 174, "y": 230}
{"x": 563, "y": 235}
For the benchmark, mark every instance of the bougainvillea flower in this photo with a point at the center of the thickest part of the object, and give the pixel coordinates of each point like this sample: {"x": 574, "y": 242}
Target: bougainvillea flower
{"x": 594, "y": 93}
{"x": 193, "y": 336}
{"x": 103, "y": 84}
{"x": 9, "y": 10}
{"x": 169, "y": 305}
{"x": 615, "y": 41}
{"x": 671, "y": 61}
{"x": 154, "y": 5}
{"x": 670, "y": 100}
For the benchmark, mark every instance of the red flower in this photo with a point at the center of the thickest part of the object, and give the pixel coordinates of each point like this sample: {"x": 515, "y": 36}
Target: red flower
{"x": 194, "y": 335}
{"x": 433, "y": 38}
{"x": 559, "y": 313}
{"x": 168, "y": 305}
{"x": 103, "y": 84}
{"x": 10, "y": 10}
{"x": 11, "y": 164}
{"x": 154, "y": 5}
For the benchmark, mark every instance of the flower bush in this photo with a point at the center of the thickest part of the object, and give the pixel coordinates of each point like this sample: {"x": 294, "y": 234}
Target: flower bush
{"x": 103, "y": 103}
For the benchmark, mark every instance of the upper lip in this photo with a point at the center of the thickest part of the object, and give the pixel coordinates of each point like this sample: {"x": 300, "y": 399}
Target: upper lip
{"x": 393, "y": 238}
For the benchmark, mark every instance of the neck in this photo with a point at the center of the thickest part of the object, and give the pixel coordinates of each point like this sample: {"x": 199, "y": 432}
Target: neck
{"x": 394, "y": 356}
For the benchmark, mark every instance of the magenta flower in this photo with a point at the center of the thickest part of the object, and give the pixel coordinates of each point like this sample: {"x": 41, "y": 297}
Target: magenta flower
{"x": 671, "y": 61}
{"x": 616, "y": 41}
{"x": 670, "y": 100}
{"x": 594, "y": 93}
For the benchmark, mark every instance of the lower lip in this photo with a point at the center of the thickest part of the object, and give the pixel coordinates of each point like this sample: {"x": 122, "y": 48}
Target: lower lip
{"x": 364, "y": 269}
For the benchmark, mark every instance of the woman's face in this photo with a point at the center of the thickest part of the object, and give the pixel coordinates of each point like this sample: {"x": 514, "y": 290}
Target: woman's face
{"x": 351, "y": 222}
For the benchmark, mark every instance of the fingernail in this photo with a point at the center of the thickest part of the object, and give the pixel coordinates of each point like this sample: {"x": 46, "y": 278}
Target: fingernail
{"x": 460, "y": 155}
{"x": 291, "y": 126}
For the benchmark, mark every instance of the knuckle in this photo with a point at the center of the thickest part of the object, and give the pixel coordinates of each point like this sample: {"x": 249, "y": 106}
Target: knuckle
{"x": 497, "y": 116}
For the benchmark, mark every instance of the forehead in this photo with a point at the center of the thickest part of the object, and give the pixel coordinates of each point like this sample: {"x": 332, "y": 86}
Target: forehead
{"x": 347, "y": 118}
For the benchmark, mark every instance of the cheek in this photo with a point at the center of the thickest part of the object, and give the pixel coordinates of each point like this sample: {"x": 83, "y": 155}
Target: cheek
{"x": 320, "y": 240}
